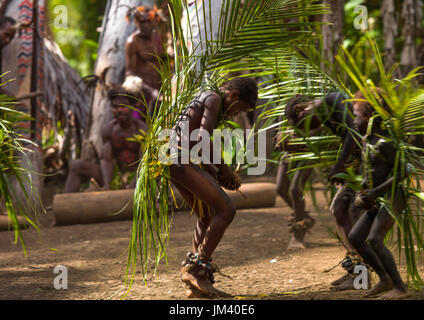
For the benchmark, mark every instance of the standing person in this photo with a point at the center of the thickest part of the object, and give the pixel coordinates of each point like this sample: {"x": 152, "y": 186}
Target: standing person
{"x": 142, "y": 50}
{"x": 369, "y": 231}
{"x": 332, "y": 113}
{"x": 204, "y": 182}
{"x": 291, "y": 188}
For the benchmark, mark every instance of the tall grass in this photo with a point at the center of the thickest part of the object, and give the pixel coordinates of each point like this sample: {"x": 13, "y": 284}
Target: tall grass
{"x": 13, "y": 175}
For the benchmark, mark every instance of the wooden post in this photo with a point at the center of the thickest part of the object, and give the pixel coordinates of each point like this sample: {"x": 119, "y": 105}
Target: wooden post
{"x": 34, "y": 69}
{"x": 111, "y": 54}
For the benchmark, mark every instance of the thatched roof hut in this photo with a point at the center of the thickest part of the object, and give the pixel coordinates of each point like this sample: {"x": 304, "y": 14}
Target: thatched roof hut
{"x": 63, "y": 93}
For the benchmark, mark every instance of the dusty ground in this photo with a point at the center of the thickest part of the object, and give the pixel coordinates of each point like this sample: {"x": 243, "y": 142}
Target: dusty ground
{"x": 253, "y": 252}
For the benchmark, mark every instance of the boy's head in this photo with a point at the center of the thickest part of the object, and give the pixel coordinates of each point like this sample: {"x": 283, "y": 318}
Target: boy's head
{"x": 363, "y": 111}
{"x": 7, "y": 31}
{"x": 240, "y": 94}
{"x": 299, "y": 108}
{"x": 145, "y": 19}
{"x": 120, "y": 103}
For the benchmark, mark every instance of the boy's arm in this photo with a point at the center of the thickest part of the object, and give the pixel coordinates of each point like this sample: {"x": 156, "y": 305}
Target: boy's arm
{"x": 388, "y": 152}
{"x": 210, "y": 117}
{"x": 209, "y": 120}
{"x": 343, "y": 116}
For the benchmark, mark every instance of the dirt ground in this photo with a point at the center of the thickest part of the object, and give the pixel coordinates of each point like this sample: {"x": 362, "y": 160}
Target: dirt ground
{"x": 253, "y": 252}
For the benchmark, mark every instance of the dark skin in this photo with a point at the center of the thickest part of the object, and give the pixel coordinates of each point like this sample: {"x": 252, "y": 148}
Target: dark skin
{"x": 7, "y": 33}
{"x": 342, "y": 207}
{"x": 116, "y": 148}
{"x": 191, "y": 181}
{"x": 375, "y": 222}
{"x": 141, "y": 52}
{"x": 292, "y": 192}
{"x": 339, "y": 115}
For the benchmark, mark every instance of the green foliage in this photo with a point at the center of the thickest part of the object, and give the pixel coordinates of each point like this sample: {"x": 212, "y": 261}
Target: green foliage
{"x": 402, "y": 117}
{"x": 79, "y": 42}
{"x": 12, "y": 173}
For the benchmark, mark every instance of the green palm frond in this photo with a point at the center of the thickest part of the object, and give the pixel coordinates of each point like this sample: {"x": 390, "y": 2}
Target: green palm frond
{"x": 403, "y": 117}
{"x": 252, "y": 36}
{"x": 12, "y": 173}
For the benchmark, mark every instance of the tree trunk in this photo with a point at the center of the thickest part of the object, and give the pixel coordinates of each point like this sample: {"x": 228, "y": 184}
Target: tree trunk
{"x": 390, "y": 32}
{"x": 412, "y": 16}
{"x": 111, "y": 54}
{"x": 332, "y": 34}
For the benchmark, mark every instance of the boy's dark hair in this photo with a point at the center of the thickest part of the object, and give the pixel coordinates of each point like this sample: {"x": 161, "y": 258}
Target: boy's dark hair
{"x": 4, "y": 20}
{"x": 114, "y": 90}
{"x": 247, "y": 87}
{"x": 379, "y": 95}
{"x": 117, "y": 91}
{"x": 290, "y": 110}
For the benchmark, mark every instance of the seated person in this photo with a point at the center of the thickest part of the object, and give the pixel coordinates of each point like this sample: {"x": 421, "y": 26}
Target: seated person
{"x": 116, "y": 147}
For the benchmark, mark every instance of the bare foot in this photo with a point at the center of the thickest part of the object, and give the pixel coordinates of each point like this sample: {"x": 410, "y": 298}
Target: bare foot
{"x": 202, "y": 284}
{"x": 395, "y": 294}
{"x": 381, "y": 286}
{"x": 345, "y": 285}
{"x": 193, "y": 292}
{"x": 296, "y": 244}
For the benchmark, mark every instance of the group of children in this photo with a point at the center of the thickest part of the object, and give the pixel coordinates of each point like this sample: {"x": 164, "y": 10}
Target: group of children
{"x": 361, "y": 223}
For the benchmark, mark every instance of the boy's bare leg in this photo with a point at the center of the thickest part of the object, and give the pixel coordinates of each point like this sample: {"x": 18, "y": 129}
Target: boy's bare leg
{"x": 383, "y": 222}
{"x": 283, "y": 182}
{"x": 203, "y": 220}
{"x": 191, "y": 179}
{"x": 297, "y": 187}
{"x": 345, "y": 214}
{"x": 358, "y": 237}
{"x": 79, "y": 169}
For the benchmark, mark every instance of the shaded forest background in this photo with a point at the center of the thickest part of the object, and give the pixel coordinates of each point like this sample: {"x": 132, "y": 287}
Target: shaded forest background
{"x": 79, "y": 42}
{"x": 398, "y": 26}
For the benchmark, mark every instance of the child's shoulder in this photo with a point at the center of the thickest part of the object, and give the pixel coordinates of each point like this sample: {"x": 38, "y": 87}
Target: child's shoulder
{"x": 211, "y": 99}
